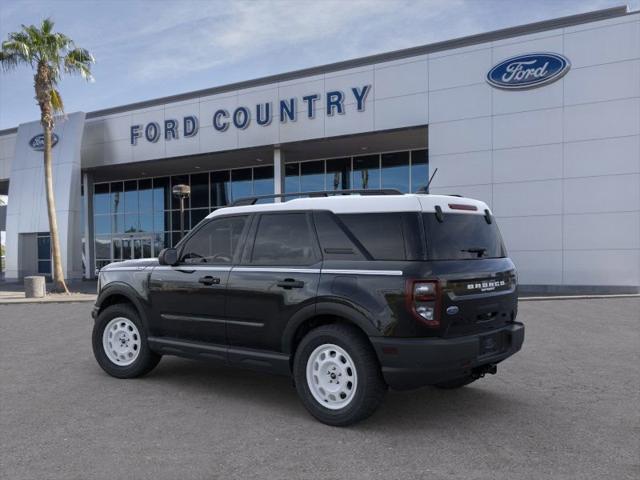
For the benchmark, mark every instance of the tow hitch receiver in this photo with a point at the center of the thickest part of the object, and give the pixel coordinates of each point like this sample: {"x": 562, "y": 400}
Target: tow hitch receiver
{"x": 483, "y": 370}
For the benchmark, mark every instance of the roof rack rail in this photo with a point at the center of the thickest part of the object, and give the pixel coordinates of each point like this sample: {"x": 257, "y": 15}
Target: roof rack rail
{"x": 245, "y": 201}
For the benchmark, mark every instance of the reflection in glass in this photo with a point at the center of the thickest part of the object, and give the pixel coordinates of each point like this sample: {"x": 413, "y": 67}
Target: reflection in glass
{"x": 292, "y": 178}
{"x": 366, "y": 172}
{"x": 117, "y": 249}
{"x": 101, "y": 198}
{"x": 197, "y": 215}
{"x": 200, "y": 190}
{"x": 116, "y": 198}
{"x": 241, "y": 183}
{"x": 263, "y": 180}
{"x": 131, "y": 223}
{"x": 126, "y": 249}
{"x": 146, "y": 222}
{"x": 102, "y": 224}
{"x": 161, "y": 194}
{"x": 395, "y": 171}
{"x": 312, "y": 176}
{"x": 103, "y": 248}
{"x": 338, "y": 174}
{"x": 220, "y": 188}
{"x": 131, "y": 196}
{"x": 419, "y": 170}
{"x": 161, "y": 221}
{"x": 145, "y": 195}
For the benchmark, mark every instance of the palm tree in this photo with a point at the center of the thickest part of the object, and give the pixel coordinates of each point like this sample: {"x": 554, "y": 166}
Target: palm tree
{"x": 50, "y": 55}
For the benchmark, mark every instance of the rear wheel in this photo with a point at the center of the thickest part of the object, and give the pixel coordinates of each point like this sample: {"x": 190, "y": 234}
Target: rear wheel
{"x": 456, "y": 383}
{"x": 337, "y": 375}
{"x": 120, "y": 343}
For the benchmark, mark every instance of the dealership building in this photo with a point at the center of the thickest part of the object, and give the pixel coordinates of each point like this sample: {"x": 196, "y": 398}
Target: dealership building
{"x": 540, "y": 121}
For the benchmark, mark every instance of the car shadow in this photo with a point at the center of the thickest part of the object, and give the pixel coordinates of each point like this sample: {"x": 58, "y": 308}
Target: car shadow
{"x": 427, "y": 408}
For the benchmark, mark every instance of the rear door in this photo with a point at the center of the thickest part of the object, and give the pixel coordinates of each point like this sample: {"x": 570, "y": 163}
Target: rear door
{"x": 188, "y": 299}
{"x": 278, "y": 275}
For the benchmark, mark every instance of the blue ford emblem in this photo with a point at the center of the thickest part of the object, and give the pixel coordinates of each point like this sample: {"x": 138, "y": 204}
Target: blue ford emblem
{"x": 37, "y": 142}
{"x": 528, "y": 71}
{"x": 452, "y": 310}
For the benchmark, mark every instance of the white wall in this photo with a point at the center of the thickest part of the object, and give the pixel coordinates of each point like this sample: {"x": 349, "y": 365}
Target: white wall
{"x": 7, "y": 151}
{"x": 27, "y": 206}
{"x": 398, "y": 98}
{"x": 560, "y": 164}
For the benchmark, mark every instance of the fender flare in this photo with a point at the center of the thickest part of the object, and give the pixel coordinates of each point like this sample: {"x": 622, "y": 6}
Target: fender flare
{"x": 345, "y": 311}
{"x": 127, "y": 291}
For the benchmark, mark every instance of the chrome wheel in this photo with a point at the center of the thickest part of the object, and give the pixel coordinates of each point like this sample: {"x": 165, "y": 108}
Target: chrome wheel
{"x": 331, "y": 376}
{"x": 121, "y": 341}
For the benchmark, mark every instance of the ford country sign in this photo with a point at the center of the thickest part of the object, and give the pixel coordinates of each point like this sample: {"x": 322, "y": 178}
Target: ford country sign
{"x": 528, "y": 71}
{"x": 37, "y": 142}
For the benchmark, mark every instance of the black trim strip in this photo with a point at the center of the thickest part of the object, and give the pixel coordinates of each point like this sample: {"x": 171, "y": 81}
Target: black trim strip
{"x": 195, "y": 318}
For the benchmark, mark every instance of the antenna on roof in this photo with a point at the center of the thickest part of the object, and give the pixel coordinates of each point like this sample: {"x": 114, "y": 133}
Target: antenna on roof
{"x": 431, "y": 179}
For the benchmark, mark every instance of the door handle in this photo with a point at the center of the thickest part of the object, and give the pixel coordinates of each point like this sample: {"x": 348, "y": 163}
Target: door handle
{"x": 209, "y": 280}
{"x": 288, "y": 283}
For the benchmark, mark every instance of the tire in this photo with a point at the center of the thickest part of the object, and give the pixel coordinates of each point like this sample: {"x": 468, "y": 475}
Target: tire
{"x": 129, "y": 355}
{"x": 456, "y": 383}
{"x": 356, "y": 385}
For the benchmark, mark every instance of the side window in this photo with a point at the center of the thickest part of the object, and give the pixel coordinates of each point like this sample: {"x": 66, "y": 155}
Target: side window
{"x": 380, "y": 233}
{"x": 214, "y": 243}
{"x": 334, "y": 241}
{"x": 283, "y": 239}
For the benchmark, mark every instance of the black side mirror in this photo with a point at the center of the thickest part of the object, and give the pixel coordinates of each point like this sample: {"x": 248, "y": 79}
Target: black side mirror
{"x": 168, "y": 256}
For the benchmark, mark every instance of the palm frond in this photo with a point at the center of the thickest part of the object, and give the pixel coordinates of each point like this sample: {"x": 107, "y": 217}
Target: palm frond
{"x": 56, "y": 101}
{"x": 79, "y": 61}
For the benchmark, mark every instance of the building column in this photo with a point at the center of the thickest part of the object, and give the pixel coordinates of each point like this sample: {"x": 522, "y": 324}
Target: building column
{"x": 87, "y": 203}
{"x": 278, "y": 172}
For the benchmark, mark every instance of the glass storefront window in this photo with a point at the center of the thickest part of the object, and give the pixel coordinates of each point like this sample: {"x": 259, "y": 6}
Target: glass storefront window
{"x": 102, "y": 224}
{"x": 101, "y": 198}
{"x": 131, "y": 203}
{"x": 312, "y": 176}
{"x": 144, "y": 210}
{"x": 200, "y": 190}
{"x": 292, "y": 178}
{"x": 161, "y": 194}
{"x": 395, "y": 171}
{"x": 145, "y": 195}
{"x": 419, "y": 170}
{"x": 241, "y": 183}
{"x": 338, "y": 174}
{"x": 197, "y": 215}
{"x": 220, "y": 190}
{"x": 366, "y": 172}
{"x": 117, "y": 192}
{"x": 263, "y": 181}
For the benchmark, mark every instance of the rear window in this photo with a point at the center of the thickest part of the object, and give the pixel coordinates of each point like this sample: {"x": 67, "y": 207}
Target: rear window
{"x": 462, "y": 236}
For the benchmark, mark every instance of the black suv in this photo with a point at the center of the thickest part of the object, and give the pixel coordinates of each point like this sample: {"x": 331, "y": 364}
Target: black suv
{"x": 348, "y": 294}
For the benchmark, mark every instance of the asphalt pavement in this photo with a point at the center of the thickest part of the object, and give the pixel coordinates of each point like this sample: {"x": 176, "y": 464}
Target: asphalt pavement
{"x": 567, "y": 406}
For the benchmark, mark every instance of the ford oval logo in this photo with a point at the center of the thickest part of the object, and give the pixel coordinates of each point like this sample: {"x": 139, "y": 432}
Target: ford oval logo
{"x": 452, "y": 310}
{"x": 37, "y": 142}
{"x": 528, "y": 71}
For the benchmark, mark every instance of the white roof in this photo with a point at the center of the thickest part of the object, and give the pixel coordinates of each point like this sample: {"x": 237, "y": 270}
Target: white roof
{"x": 364, "y": 204}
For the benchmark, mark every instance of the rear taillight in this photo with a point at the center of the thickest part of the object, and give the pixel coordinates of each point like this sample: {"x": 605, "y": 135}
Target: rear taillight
{"x": 423, "y": 299}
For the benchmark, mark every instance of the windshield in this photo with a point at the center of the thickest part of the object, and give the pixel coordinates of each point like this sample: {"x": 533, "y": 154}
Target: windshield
{"x": 462, "y": 236}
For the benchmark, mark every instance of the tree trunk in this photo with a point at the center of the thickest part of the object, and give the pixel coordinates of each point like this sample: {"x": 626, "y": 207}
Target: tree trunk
{"x": 59, "y": 284}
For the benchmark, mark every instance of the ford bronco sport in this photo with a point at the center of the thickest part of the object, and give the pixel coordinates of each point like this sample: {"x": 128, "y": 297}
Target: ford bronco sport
{"x": 349, "y": 294}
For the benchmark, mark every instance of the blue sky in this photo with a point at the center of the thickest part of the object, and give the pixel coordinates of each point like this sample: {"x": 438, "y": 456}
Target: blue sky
{"x": 149, "y": 49}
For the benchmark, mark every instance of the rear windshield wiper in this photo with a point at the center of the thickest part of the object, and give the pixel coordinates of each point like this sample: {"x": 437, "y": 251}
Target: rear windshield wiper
{"x": 477, "y": 250}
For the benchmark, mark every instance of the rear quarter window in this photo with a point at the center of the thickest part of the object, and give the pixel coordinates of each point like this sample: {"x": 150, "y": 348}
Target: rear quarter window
{"x": 461, "y": 236}
{"x": 386, "y": 236}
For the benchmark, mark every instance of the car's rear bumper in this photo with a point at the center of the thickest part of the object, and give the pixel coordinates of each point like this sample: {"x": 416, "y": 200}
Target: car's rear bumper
{"x": 415, "y": 362}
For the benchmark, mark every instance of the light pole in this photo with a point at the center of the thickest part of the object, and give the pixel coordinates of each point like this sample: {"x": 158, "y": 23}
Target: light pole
{"x": 182, "y": 192}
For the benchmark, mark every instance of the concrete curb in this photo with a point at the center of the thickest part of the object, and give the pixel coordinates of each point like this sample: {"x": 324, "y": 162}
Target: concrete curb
{"x": 576, "y": 297}
{"x": 69, "y": 299}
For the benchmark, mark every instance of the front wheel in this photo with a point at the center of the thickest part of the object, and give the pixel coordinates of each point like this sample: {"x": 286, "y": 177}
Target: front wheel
{"x": 337, "y": 375}
{"x": 120, "y": 343}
